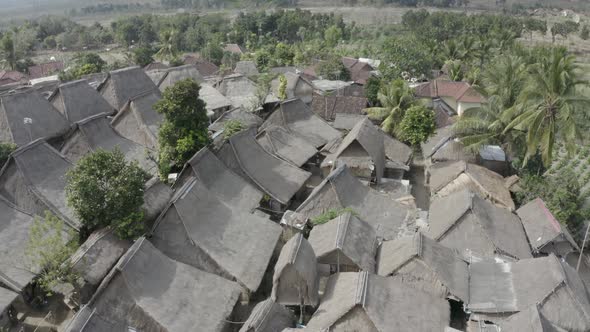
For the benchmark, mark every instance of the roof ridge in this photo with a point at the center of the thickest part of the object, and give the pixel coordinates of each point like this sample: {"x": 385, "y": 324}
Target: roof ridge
{"x": 341, "y": 230}
{"x": 361, "y": 288}
{"x": 297, "y": 245}
{"x": 259, "y": 317}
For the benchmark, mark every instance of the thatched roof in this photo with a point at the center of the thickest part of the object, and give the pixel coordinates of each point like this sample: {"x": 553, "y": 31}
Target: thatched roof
{"x": 341, "y": 190}
{"x": 6, "y": 298}
{"x": 529, "y": 320}
{"x": 448, "y": 177}
{"x": 27, "y": 116}
{"x": 156, "y": 196}
{"x": 329, "y": 106}
{"x": 148, "y": 291}
{"x": 345, "y": 121}
{"x": 16, "y": 269}
{"x": 345, "y": 240}
{"x": 176, "y": 74}
{"x": 543, "y": 230}
{"x": 96, "y": 132}
{"x": 200, "y": 230}
{"x": 506, "y": 288}
{"x": 241, "y": 91}
{"x": 77, "y": 100}
{"x": 34, "y": 179}
{"x": 397, "y": 151}
{"x": 299, "y": 119}
{"x": 304, "y": 92}
{"x": 246, "y": 68}
{"x": 97, "y": 255}
{"x": 279, "y": 179}
{"x": 138, "y": 121}
{"x": 467, "y": 222}
{"x": 213, "y": 99}
{"x": 246, "y": 118}
{"x": 291, "y": 148}
{"x": 296, "y": 274}
{"x": 443, "y": 146}
{"x": 220, "y": 180}
{"x": 369, "y": 139}
{"x": 268, "y": 316}
{"x": 425, "y": 264}
{"x": 123, "y": 84}
{"x": 372, "y": 302}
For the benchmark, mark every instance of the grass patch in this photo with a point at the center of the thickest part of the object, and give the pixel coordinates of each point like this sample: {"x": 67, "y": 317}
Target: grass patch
{"x": 331, "y": 214}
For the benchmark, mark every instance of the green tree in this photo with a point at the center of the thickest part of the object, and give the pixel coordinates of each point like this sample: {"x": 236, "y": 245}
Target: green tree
{"x": 417, "y": 125}
{"x": 232, "y": 127}
{"x": 5, "y": 150}
{"x": 8, "y": 50}
{"x": 332, "y": 36}
{"x": 395, "y": 98}
{"x": 550, "y": 105}
{"x": 283, "y": 55}
{"x": 104, "y": 190}
{"x": 168, "y": 49}
{"x": 455, "y": 70}
{"x": 372, "y": 90}
{"x": 49, "y": 248}
{"x": 143, "y": 56}
{"x": 184, "y": 130}
{"x": 333, "y": 69}
{"x": 585, "y": 33}
{"x": 213, "y": 53}
{"x": 282, "y": 87}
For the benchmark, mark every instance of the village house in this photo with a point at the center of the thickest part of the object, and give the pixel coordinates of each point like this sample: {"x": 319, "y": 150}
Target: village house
{"x": 216, "y": 104}
{"x": 234, "y": 49}
{"x": 156, "y": 196}
{"x": 27, "y": 116}
{"x": 360, "y": 71}
{"x": 122, "y": 85}
{"x": 297, "y": 87}
{"x": 475, "y": 227}
{"x": 345, "y": 122}
{"x": 329, "y": 106}
{"x": 45, "y": 69}
{"x": 156, "y": 65}
{"x": 298, "y": 119}
{"x": 342, "y": 190}
{"x": 7, "y": 311}
{"x": 284, "y": 145}
{"x": 493, "y": 158}
{"x": 459, "y": 96}
{"x": 77, "y": 100}
{"x": 344, "y": 244}
{"x": 269, "y": 316}
{"x": 295, "y": 279}
{"x": 205, "y": 68}
{"x": 444, "y": 146}
{"x": 278, "y": 179}
{"x": 10, "y": 77}
{"x": 449, "y": 177}
{"x": 360, "y": 301}
{"x": 33, "y": 179}
{"x": 247, "y": 119}
{"x": 425, "y": 265}
{"x": 95, "y": 133}
{"x": 138, "y": 121}
{"x": 171, "y": 76}
{"x": 241, "y": 91}
{"x": 192, "y": 226}
{"x": 246, "y": 68}
{"x": 147, "y": 291}
{"x": 220, "y": 180}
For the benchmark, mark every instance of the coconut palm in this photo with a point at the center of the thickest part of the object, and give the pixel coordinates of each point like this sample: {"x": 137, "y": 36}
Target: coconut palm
{"x": 395, "y": 98}
{"x": 549, "y": 106}
{"x": 168, "y": 50}
{"x": 505, "y": 78}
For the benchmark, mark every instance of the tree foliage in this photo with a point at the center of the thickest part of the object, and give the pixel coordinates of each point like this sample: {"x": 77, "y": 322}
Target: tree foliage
{"x": 333, "y": 69}
{"x": 143, "y": 56}
{"x": 232, "y": 127}
{"x": 395, "y": 98}
{"x": 417, "y": 125}
{"x": 282, "y": 87}
{"x": 184, "y": 130}
{"x": 5, "y": 150}
{"x": 104, "y": 190}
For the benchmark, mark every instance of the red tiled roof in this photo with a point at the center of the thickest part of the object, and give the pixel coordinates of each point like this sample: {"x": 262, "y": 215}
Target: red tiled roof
{"x": 45, "y": 69}
{"x": 359, "y": 71}
{"x": 328, "y": 106}
{"x": 204, "y": 67}
{"x": 7, "y": 77}
{"x": 460, "y": 91}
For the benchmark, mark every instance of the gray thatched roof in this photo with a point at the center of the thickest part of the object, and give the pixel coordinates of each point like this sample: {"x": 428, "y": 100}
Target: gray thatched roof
{"x": 124, "y": 84}
{"x": 156, "y": 196}
{"x": 328, "y": 106}
{"x": 97, "y": 133}
{"x": 543, "y": 229}
{"x": 246, "y": 118}
{"x": 359, "y": 300}
{"x": 425, "y": 264}
{"x": 300, "y": 120}
{"x": 448, "y": 177}
{"x": 341, "y": 190}
{"x": 246, "y": 68}
{"x": 346, "y": 240}
{"x": 269, "y": 316}
{"x": 16, "y": 269}
{"x": 296, "y": 274}
{"x": 177, "y": 74}
{"x": 148, "y": 291}
{"x": 200, "y": 230}
{"x": 506, "y": 288}
{"x": 397, "y": 151}
{"x": 77, "y": 100}
{"x": 529, "y": 320}
{"x": 467, "y": 222}
{"x": 7, "y": 297}
{"x": 156, "y": 75}
{"x": 279, "y": 179}
{"x": 369, "y": 139}
{"x": 220, "y": 180}
{"x": 27, "y": 116}
{"x": 213, "y": 99}
{"x": 346, "y": 121}
{"x": 138, "y": 121}
{"x": 297, "y": 87}
{"x": 443, "y": 146}
{"x": 240, "y": 90}
{"x": 291, "y": 148}
{"x": 34, "y": 180}
{"x": 97, "y": 255}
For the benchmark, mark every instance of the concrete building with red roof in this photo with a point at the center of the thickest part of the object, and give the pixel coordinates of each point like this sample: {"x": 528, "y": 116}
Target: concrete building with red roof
{"x": 460, "y": 96}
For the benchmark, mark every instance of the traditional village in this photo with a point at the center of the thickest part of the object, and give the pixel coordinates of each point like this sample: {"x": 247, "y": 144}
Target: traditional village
{"x": 298, "y": 204}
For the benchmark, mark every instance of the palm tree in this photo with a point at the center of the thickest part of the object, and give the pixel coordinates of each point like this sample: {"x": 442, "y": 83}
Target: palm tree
{"x": 549, "y": 106}
{"x": 505, "y": 78}
{"x": 168, "y": 50}
{"x": 395, "y": 98}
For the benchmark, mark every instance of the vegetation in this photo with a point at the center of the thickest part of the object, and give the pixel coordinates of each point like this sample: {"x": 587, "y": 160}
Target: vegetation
{"x": 331, "y": 214}
{"x": 282, "y": 87}
{"x": 232, "y": 127}
{"x": 49, "y": 248}
{"x": 143, "y": 56}
{"x": 417, "y": 125}
{"x": 5, "y": 150}
{"x": 395, "y": 98}
{"x": 104, "y": 190}
{"x": 84, "y": 64}
{"x": 184, "y": 130}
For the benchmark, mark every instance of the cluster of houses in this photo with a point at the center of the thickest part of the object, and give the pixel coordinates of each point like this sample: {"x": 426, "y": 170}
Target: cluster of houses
{"x": 303, "y": 221}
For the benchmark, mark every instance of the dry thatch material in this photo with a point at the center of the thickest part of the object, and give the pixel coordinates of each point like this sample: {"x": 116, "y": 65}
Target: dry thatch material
{"x": 77, "y": 100}
{"x": 268, "y": 316}
{"x": 6, "y": 299}
{"x": 124, "y": 84}
{"x": 138, "y": 121}
{"x": 290, "y": 148}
